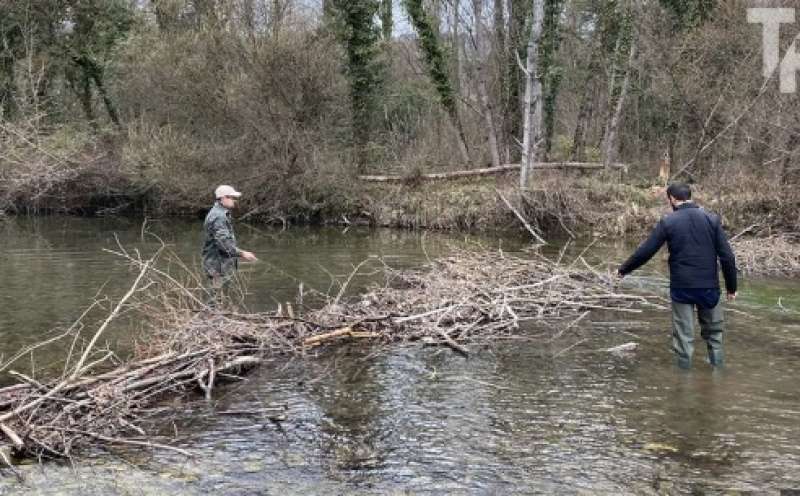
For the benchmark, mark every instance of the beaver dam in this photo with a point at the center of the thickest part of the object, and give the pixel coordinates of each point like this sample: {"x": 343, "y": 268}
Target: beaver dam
{"x": 464, "y": 299}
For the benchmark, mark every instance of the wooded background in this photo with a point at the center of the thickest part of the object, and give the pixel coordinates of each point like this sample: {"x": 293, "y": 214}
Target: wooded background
{"x": 160, "y": 100}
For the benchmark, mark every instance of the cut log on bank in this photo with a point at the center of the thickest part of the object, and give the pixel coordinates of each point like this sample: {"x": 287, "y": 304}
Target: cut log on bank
{"x": 490, "y": 171}
{"x": 456, "y": 301}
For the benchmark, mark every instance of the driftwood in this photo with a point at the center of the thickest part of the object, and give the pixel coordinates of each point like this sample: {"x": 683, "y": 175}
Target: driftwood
{"x": 454, "y": 301}
{"x": 521, "y": 218}
{"x": 490, "y": 171}
{"x": 338, "y": 333}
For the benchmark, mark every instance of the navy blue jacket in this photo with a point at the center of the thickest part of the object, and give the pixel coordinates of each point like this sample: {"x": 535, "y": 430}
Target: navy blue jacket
{"x": 695, "y": 240}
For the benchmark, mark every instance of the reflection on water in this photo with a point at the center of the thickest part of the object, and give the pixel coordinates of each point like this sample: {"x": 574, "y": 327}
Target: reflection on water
{"x": 509, "y": 420}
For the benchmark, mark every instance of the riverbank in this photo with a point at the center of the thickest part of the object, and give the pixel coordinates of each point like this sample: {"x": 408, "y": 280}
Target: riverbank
{"x": 69, "y": 172}
{"x": 560, "y": 203}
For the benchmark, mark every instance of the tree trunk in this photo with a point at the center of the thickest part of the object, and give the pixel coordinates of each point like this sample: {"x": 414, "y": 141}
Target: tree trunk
{"x": 97, "y": 75}
{"x": 551, "y": 76}
{"x": 386, "y": 19}
{"x": 166, "y": 14}
{"x": 85, "y": 93}
{"x": 587, "y": 106}
{"x": 500, "y": 57}
{"x": 585, "y": 113}
{"x": 7, "y": 86}
{"x": 359, "y": 37}
{"x": 437, "y": 66}
{"x": 481, "y": 61}
{"x": 532, "y": 106}
{"x": 278, "y": 13}
{"x": 613, "y": 127}
{"x": 499, "y": 28}
{"x": 511, "y": 99}
{"x": 455, "y": 48}
{"x": 791, "y": 146}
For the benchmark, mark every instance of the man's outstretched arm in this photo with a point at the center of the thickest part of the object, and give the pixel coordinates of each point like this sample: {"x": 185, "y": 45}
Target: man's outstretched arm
{"x": 645, "y": 251}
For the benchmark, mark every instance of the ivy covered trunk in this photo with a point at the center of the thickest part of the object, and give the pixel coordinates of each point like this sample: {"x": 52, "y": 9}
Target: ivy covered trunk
{"x": 437, "y": 66}
{"x": 359, "y": 35}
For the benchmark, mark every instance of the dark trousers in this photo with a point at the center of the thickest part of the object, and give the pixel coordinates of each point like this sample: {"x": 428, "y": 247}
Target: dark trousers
{"x": 217, "y": 289}
{"x": 711, "y": 327}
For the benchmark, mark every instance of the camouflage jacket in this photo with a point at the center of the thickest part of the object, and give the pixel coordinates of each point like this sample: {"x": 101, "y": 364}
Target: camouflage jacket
{"x": 220, "y": 254}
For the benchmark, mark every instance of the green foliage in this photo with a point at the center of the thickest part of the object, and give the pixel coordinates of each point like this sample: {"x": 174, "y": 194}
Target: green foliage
{"x": 625, "y": 32}
{"x": 432, "y": 51}
{"x": 562, "y": 148}
{"x": 689, "y": 13}
{"x": 71, "y": 37}
{"x": 518, "y": 30}
{"x": 99, "y": 26}
{"x": 552, "y": 71}
{"x": 403, "y": 107}
{"x": 26, "y": 28}
{"x": 551, "y": 34}
{"x": 355, "y": 28}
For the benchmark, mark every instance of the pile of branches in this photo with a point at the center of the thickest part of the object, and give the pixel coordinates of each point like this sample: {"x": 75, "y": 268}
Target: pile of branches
{"x": 464, "y": 298}
{"x": 478, "y": 297}
{"x": 776, "y": 255}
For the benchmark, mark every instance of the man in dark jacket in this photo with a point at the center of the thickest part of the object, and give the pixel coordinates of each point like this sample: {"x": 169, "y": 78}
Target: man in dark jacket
{"x": 220, "y": 253}
{"x": 696, "y": 241}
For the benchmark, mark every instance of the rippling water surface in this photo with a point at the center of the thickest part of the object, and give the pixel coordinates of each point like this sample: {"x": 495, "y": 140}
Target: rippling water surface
{"x": 518, "y": 417}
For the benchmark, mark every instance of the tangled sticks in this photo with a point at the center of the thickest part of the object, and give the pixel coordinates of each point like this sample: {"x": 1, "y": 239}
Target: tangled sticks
{"x": 464, "y": 298}
{"x": 777, "y": 255}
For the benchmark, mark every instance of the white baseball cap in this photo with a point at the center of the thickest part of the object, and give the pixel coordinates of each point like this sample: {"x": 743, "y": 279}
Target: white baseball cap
{"x": 226, "y": 190}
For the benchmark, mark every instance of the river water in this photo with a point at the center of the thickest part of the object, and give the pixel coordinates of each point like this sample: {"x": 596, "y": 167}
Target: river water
{"x": 519, "y": 417}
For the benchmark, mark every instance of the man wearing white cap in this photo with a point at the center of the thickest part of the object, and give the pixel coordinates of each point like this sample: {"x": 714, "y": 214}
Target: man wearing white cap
{"x": 220, "y": 253}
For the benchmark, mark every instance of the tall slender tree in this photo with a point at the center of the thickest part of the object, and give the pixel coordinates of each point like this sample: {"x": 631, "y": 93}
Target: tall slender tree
{"x": 437, "y": 65}
{"x": 552, "y": 73}
{"x": 387, "y": 22}
{"x": 619, "y": 79}
{"x": 10, "y": 35}
{"x": 479, "y": 40}
{"x": 359, "y": 34}
{"x": 532, "y": 105}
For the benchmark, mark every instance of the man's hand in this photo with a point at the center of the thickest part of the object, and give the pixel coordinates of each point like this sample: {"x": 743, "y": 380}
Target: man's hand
{"x": 731, "y": 296}
{"x": 620, "y": 275}
{"x": 247, "y": 256}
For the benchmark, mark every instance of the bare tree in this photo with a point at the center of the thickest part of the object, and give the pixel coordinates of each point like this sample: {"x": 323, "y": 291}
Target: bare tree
{"x": 532, "y": 105}
{"x": 612, "y": 132}
{"x": 481, "y": 61}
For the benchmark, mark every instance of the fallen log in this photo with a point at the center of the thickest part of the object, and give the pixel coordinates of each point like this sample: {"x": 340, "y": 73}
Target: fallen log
{"x": 489, "y": 171}
{"x": 338, "y": 333}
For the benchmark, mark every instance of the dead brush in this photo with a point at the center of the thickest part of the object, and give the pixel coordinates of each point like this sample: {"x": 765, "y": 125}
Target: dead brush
{"x": 776, "y": 255}
{"x": 467, "y": 297}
